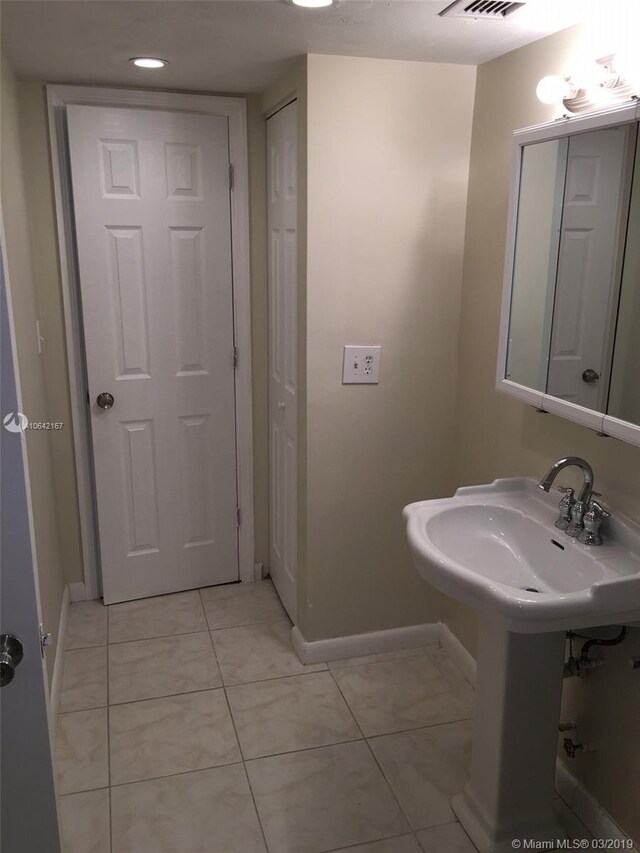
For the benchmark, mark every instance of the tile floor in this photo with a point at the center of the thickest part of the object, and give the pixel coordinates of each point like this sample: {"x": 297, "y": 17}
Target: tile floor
{"x": 188, "y": 725}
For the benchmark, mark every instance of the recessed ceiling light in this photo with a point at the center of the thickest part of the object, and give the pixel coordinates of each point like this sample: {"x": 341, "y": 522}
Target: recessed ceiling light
{"x": 148, "y": 62}
{"x": 312, "y": 4}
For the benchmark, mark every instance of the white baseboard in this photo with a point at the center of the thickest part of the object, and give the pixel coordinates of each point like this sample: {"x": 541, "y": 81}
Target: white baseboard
{"x": 458, "y": 654}
{"x": 586, "y": 808}
{"x": 356, "y": 645}
{"x": 583, "y": 804}
{"x": 77, "y": 591}
{"x": 58, "y": 666}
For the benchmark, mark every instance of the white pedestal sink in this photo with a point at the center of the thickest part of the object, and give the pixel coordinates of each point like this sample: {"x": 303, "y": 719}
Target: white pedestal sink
{"x": 495, "y": 548}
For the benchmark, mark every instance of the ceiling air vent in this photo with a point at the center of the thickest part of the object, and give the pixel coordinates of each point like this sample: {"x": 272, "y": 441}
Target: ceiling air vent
{"x": 488, "y": 10}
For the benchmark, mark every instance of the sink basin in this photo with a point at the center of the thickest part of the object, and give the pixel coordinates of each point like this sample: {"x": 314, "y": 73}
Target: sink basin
{"x": 495, "y": 547}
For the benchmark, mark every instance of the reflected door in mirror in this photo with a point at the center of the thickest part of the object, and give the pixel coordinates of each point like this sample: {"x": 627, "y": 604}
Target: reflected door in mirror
{"x": 588, "y": 274}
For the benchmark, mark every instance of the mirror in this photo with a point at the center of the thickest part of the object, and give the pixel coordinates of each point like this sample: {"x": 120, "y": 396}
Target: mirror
{"x": 624, "y": 394}
{"x": 572, "y": 280}
{"x": 535, "y": 262}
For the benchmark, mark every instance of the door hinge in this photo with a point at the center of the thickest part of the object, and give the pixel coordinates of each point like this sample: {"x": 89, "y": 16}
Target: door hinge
{"x": 235, "y": 357}
{"x": 231, "y": 176}
{"x": 238, "y": 515}
{"x": 45, "y": 640}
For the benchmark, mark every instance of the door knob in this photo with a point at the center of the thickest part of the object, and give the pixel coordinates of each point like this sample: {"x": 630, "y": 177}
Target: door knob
{"x": 590, "y": 377}
{"x": 282, "y": 407}
{"x": 11, "y": 653}
{"x": 105, "y": 400}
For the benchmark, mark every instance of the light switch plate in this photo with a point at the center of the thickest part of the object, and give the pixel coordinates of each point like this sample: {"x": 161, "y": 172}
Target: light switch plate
{"x": 361, "y": 365}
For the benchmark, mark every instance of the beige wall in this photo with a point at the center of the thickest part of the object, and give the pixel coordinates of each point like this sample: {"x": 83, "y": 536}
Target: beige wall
{"x": 388, "y": 156}
{"x": 42, "y": 446}
{"x": 500, "y": 437}
{"x": 44, "y": 257}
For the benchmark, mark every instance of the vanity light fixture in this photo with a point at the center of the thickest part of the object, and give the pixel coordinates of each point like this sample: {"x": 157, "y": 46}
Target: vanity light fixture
{"x": 148, "y": 61}
{"x": 553, "y": 89}
{"x": 313, "y": 4}
{"x": 590, "y": 86}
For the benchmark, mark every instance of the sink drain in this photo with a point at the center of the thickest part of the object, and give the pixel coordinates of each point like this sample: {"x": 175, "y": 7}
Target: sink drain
{"x": 530, "y": 589}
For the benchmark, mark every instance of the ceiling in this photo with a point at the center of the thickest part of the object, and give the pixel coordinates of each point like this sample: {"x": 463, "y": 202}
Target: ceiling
{"x": 243, "y": 45}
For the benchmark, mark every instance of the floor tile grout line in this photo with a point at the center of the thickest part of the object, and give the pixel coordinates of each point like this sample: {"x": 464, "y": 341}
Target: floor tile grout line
{"x": 391, "y": 788}
{"x": 345, "y": 700}
{"x": 255, "y": 806}
{"x": 109, "y": 743}
{"x": 87, "y": 791}
{"x": 201, "y": 630}
{"x": 419, "y": 728}
{"x": 304, "y": 749}
{"x": 174, "y": 775}
{"x": 283, "y": 618}
{"x": 84, "y": 648}
{"x": 274, "y": 678}
{"x": 359, "y": 843}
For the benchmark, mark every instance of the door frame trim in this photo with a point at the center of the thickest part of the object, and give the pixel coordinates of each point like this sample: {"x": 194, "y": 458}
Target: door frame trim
{"x": 235, "y": 110}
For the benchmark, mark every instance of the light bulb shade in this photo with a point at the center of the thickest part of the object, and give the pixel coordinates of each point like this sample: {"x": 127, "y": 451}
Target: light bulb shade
{"x": 553, "y": 90}
{"x": 312, "y": 4}
{"x": 627, "y": 63}
{"x": 148, "y": 62}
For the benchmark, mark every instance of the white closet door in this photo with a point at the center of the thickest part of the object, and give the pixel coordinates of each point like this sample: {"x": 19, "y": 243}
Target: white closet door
{"x": 282, "y": 189}
{"x": 151, "y": 199}
{"x": 583, "y": 312}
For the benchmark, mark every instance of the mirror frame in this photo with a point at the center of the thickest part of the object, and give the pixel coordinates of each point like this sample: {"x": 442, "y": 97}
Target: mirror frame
{"x": 602, "y": 423}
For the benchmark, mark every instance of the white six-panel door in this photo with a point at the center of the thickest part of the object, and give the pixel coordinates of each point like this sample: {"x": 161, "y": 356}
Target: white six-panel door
{"x": 580, "y": 338}
{"x": 151, "y": 202}
{"x": 283, "y": 442}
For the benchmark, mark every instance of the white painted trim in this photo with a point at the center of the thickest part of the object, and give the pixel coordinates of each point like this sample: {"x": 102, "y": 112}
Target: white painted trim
{"x": 622, "y": 430}
{"x": 58, "y": 666}
{"x": 586, "y": 808}
{"x": 458, "y": 654}
{"x": 521, "y": 392}
{"x": 234, "y": 109}
{"x": 568, "y": 125}
{"x": 356, "y": 645}
{"x": 573, "y": 412}
{"x": 507, "y": 281}
{"x": 77, "y": 592}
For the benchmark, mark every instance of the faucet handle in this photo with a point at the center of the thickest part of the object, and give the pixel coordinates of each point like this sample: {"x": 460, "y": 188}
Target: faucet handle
{"x": 599, "y": 511}
{"x": 566, "y": 505}
{"x": 593, "y": 518}
{"x": 566, "y": 490}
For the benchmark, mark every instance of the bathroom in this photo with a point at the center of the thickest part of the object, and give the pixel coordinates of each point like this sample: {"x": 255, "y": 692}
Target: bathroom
{"x": 404, "y": 124}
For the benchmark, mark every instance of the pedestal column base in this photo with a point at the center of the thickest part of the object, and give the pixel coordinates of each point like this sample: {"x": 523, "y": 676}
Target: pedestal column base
{"x": 511, "y": 788}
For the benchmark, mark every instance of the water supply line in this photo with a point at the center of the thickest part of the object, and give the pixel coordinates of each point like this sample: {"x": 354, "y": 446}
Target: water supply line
{"x": 584, "y": 664}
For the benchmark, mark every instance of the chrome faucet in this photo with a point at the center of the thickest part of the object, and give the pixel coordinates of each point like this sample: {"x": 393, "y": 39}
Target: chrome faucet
{"x": 572, "y": 511}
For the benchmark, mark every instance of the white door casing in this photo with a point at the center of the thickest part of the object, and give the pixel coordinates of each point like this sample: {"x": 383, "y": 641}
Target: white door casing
{"x": 283, "y": 284}
{"x": 28, "y": 819}
{"x": 152, "y": 211}
{"x": 587, "y": 269}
